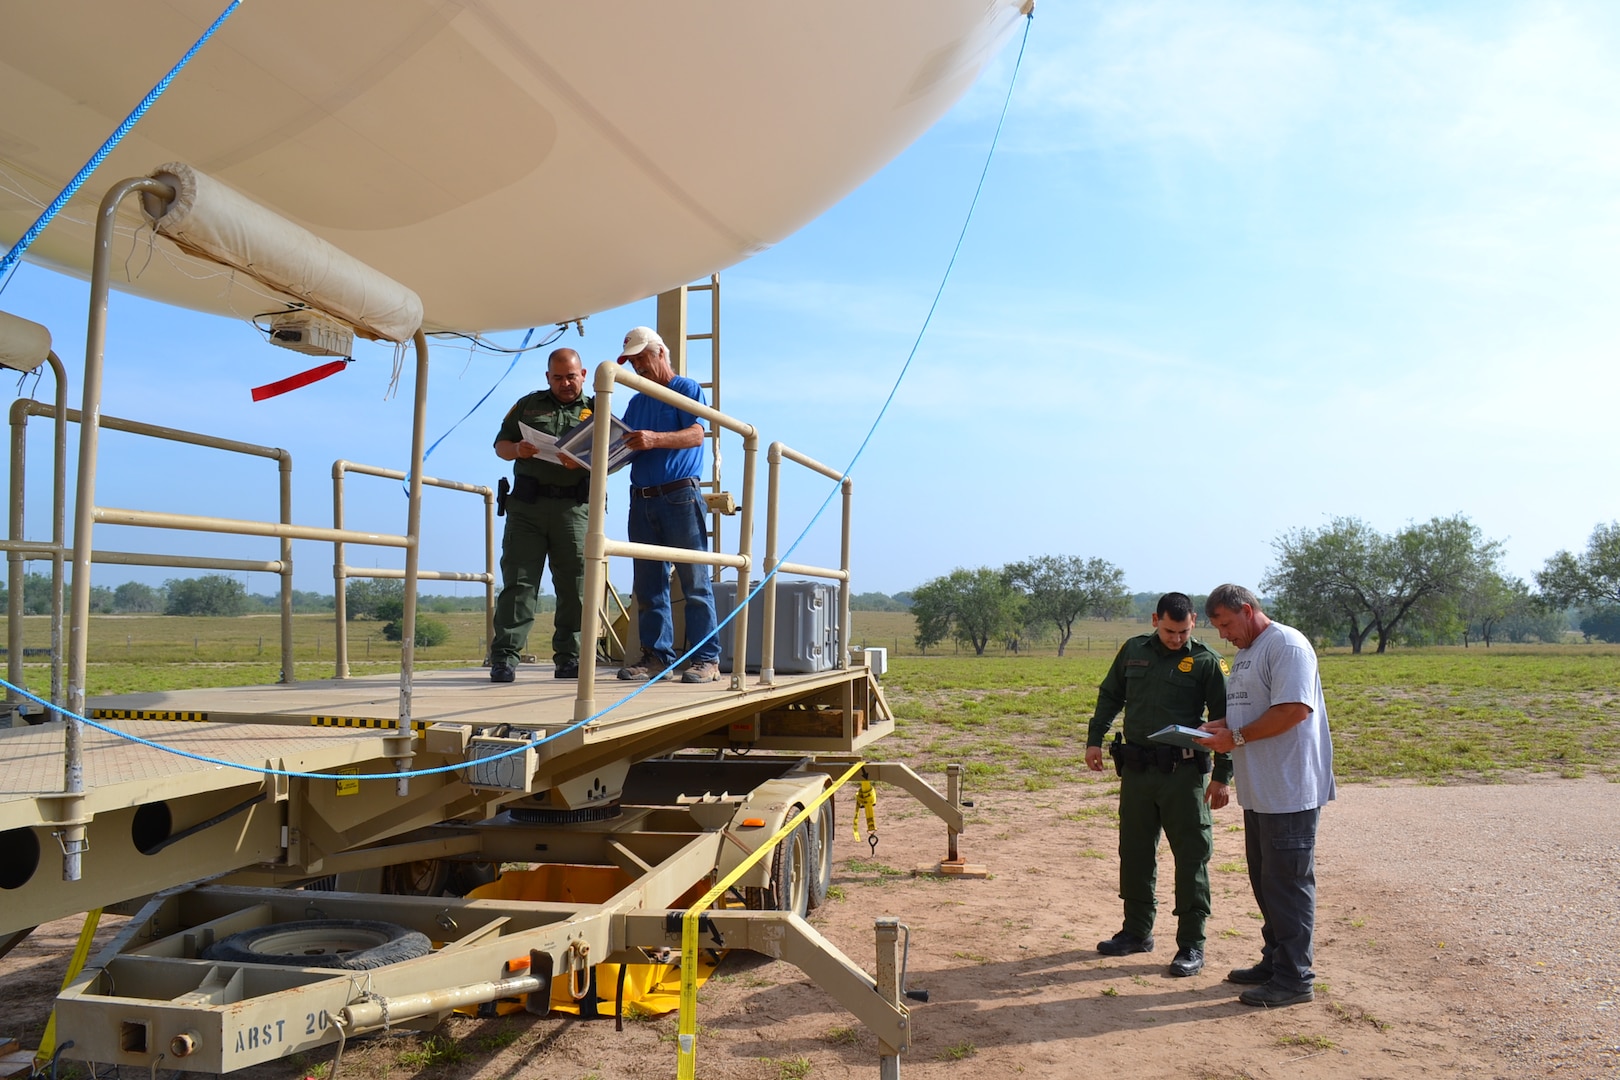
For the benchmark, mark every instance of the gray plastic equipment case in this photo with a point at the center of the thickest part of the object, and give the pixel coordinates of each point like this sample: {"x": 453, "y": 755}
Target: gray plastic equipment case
{"x": 807, "y": 631}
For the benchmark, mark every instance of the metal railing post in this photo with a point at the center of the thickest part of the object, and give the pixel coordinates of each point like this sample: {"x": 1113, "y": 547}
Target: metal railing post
{"x": 489, "y": 570}
{"x": 745, "y": 548}
{"x": 845, "y": 631}
{"x": 340, "y": 581}
{"x": 14, "y": 557}
{"x": 596, "y": 557}
{"x": 288, "y": 674}
{"x": 401, "y": 751}
{"x": 58, "y": 527}
{"x": 767, "y": 629}
{"x": 71, "y": 814}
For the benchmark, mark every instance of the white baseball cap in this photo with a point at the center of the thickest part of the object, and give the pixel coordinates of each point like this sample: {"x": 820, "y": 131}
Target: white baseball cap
{"x": 638, "y": 340}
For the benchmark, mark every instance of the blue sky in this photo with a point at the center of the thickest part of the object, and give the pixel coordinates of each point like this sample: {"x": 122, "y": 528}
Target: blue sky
{"x": 1237, "y": 268}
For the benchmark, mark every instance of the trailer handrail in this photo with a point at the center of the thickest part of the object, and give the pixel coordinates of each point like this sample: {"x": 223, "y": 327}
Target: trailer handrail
{"x": 774, "y": 568}
{"x": 598, "y": 547}
{"x": 19, "y": 549}
{"x": 342, "y": 571}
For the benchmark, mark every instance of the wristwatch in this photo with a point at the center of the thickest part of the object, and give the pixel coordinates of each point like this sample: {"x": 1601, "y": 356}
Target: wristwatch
{"x": 1237, "y": 737}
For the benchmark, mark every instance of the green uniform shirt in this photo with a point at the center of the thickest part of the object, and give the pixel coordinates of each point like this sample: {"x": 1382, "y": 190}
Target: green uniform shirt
{"x": 1157, "y": 687}
{"x": 543, "y": 412}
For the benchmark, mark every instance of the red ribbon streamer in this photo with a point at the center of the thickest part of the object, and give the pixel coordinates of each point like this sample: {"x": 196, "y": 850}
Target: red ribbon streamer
{"x": 303, "y": 378}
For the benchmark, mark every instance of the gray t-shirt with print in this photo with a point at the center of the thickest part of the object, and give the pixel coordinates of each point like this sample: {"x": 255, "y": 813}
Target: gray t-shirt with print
{"x": 1293, "y": 771}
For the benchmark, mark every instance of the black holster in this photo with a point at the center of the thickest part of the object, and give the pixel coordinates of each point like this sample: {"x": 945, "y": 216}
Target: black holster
{"x": 503, "y": 491}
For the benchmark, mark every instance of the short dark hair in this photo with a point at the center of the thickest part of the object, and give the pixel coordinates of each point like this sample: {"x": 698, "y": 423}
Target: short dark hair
{"x": 1230, "y": 597}
{"x": 1175, "y": 605}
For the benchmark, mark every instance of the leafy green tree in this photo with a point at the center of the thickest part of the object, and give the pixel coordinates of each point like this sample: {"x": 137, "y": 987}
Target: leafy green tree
{"x": 1602, "y": 623}
{"x": 135, "y": 598}
{"x": 974, "y": 606}
{"x": 1590, "y": 578}
{"x": 311, "y": 603}
{"x": 1348, "y": 576}
{"x": 101, "y": 600}
{"x": 37, "y": 594}
{"x": 429, "y": 632}
{"x": 1062, "y": 589}
{"x": 1534, "y": 621}
{"x": 364, "y": 597}
{"x": 1487, "y": 601}
{"x": 211, "y": 594}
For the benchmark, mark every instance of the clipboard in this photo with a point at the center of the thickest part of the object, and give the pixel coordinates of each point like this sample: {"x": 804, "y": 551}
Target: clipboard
{"x": 1182, "y": 736}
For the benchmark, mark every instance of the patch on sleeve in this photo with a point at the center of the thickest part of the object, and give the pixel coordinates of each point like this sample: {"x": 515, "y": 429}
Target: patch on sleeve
{"x": 1225, "y": 669}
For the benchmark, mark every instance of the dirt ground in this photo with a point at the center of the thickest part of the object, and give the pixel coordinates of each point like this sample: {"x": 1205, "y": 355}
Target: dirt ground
{"x": 1465, "y": 930}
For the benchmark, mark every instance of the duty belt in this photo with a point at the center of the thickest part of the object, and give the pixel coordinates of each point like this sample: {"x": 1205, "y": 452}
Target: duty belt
{"x": 664, "y": 489}
{"x": 528, "y": 489}
{"x": 1164, "y": 758}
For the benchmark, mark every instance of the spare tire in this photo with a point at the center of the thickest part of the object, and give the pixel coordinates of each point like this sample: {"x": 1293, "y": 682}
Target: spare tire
{"x": 347, "y": 944}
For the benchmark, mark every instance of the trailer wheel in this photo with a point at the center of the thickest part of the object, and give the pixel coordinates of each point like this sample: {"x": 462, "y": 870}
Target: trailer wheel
{"x": 822, "y": 828}
{"x": 348, "y": 944}
{"x": 791, "y": 870}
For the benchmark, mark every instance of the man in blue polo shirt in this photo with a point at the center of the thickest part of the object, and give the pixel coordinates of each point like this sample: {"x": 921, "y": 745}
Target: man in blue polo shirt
{"x": 667, "y": 509}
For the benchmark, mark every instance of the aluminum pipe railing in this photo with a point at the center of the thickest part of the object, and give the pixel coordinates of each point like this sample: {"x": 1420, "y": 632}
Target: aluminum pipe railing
{"x": 598, "y": 548}
{"x": 342, "y": 571}
{"x": 775, "y": 455}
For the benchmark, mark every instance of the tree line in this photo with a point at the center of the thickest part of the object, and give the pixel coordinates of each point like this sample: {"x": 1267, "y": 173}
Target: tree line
{"x": 1043, "y": 595}
{"x": 1434, "y": 582}
{"x": 219, "y": 594}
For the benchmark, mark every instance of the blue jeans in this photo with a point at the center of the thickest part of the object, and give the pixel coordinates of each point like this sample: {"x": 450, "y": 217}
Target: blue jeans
{"x": 1281, "y": 849}
{"x": 673, "y": 520}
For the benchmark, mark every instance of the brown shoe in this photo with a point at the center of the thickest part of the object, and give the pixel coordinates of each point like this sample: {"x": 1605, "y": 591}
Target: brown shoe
{"x": 701, "y": 672}
{"x": 642, "y": 670}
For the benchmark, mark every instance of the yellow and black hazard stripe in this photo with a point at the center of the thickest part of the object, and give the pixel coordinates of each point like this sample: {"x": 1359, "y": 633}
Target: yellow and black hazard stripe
{"x": 363, "y": 722}
{"x": 148, "y": 714}
{"x": 368, "y": 722}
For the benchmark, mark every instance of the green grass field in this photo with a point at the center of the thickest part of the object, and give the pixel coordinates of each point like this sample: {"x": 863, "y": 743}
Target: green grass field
{"x": 1432, "y": 714}
{"x": 1437, "y": 715}
{"x": 130, "y": 653}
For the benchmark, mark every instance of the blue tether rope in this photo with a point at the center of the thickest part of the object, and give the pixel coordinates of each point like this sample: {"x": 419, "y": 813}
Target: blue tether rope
{"x": 11, "y": 258}
{"x": 904, "y": 368}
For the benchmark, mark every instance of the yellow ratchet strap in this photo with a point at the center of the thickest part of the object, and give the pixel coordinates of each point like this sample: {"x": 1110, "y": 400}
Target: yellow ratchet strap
{"x": 866, "y": 798}
{"x": 87, "y": 934}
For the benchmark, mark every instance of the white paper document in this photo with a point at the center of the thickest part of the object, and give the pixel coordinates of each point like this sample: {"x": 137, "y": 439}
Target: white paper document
{"x": 545, "y": 446}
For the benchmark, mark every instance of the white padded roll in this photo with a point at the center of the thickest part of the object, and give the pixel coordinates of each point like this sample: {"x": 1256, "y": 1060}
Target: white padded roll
{"x": 210, "y": 220}
{"x": 24, "y": 345}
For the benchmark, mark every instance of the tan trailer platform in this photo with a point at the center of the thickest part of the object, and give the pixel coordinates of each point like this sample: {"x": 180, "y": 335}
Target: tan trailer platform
{"x": 157, "y": 819}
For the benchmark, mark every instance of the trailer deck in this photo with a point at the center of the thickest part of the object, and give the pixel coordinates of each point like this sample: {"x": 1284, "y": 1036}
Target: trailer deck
{"x": 156, "y": 819}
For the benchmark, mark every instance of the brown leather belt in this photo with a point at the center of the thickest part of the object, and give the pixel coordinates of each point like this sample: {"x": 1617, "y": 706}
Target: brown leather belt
{"x": 663, "y": 489}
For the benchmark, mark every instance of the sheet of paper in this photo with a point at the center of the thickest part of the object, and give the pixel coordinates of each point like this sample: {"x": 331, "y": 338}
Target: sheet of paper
{"x": 545, "y": 446}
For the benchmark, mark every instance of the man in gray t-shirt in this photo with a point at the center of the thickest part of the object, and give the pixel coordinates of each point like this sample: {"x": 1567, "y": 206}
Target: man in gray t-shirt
{"x": 1276, "y": 730}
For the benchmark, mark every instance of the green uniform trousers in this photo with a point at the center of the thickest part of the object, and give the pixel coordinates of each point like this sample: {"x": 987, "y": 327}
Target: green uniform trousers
{"x": 1151, "y": 801}
{"x": 551, "y": 529}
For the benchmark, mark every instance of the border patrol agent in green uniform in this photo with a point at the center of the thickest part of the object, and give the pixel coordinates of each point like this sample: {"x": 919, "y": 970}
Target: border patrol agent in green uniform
{"x": 546, "y": 515}
{"x": 1163, "y": 678}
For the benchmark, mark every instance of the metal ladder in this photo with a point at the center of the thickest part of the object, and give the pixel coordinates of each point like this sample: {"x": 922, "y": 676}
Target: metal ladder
{"x": 673, "y": 308}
